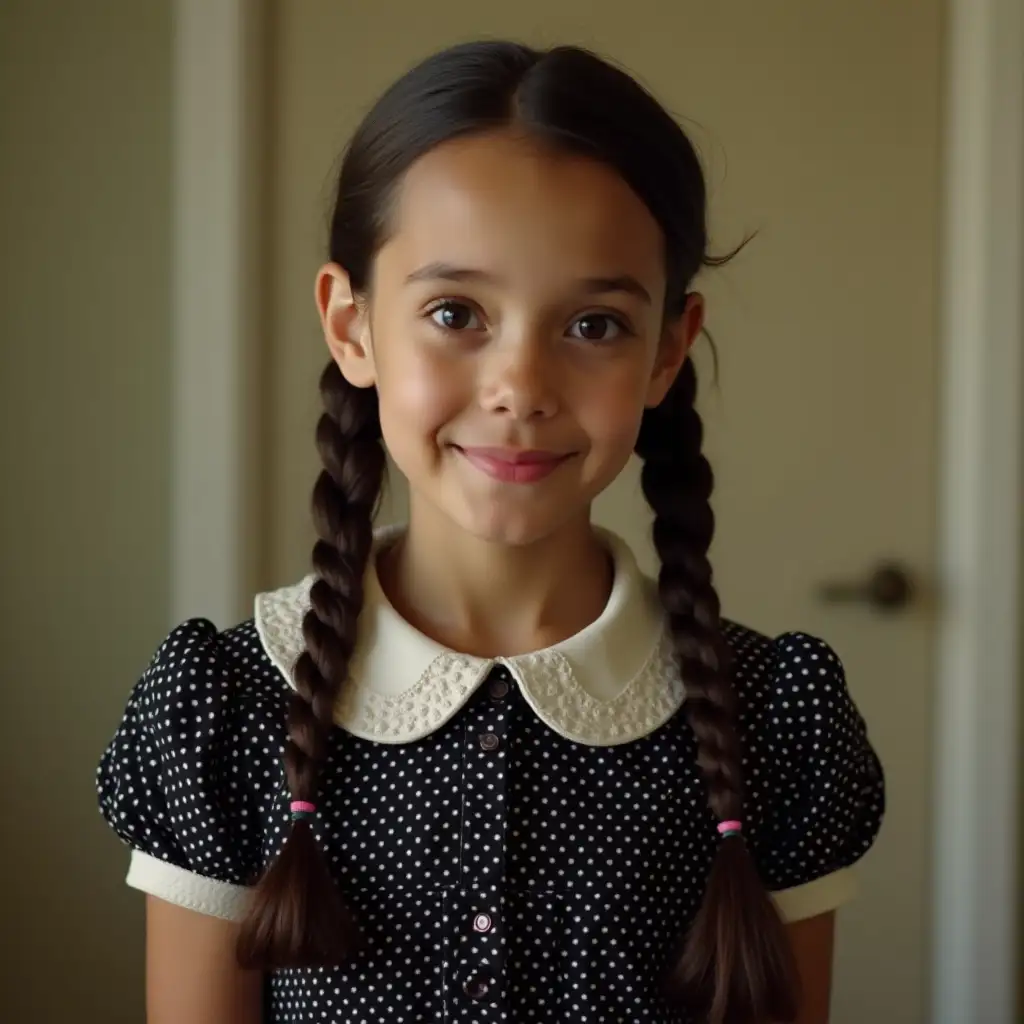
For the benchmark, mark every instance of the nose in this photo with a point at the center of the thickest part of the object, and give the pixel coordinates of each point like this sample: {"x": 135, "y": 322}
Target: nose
{"x": 520, "y": 380}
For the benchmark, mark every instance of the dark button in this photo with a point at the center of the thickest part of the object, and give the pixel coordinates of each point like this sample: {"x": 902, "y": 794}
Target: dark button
{"x": 476, "y": 988}
{"x": 498, "y": 688}
{"x": 482, "y": 923}
{"x": 489, "y": 741}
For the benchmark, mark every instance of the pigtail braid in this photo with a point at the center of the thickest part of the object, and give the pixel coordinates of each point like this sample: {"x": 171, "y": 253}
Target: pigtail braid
{"x": 736, "y": 965}
{"x": 297, "y": 916}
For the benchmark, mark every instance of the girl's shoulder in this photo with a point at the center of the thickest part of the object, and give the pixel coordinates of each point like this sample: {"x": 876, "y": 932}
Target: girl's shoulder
{"x": 208, "y": 697}
{"x": 789, "y": 664}
{"x": 200, "y": 671}
{"x": 792, "y": 685}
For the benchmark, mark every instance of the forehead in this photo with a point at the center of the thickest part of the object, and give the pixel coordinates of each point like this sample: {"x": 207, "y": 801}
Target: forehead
{"x": 505, "y": 203}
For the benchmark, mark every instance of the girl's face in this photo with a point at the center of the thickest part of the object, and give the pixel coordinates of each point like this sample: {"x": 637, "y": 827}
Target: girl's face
{"x": 514, "y": 333}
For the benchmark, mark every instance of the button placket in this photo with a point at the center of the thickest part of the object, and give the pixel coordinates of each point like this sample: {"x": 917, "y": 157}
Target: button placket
{"x": 480, "y": 945}
{"x": 498, "y": 687}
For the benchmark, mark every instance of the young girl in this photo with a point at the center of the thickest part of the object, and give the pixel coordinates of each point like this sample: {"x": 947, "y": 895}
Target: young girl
{"x": 480, "y": 768}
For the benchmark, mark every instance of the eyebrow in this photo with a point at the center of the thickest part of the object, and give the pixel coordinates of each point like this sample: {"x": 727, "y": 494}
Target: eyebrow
{"x": 625, "y": 283}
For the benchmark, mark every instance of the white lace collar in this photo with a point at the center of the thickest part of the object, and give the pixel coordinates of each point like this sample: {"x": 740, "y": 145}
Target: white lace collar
{"x": 611, "y": 683}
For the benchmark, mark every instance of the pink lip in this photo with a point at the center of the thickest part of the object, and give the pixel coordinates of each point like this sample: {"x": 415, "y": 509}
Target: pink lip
{"x": 513, "y": 465}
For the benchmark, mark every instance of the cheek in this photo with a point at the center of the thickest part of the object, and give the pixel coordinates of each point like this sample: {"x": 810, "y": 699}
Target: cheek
{"x": 419, "y": 393}
{"x": 612, "y": 411}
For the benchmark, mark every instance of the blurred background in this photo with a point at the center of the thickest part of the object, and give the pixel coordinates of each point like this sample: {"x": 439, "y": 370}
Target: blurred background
{"x": 821, "y": 128}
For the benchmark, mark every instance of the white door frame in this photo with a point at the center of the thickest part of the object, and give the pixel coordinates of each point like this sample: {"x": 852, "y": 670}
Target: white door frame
{"x": 977, "y": 767}
{"x": 220, "y": 77}
{"x": 220, "y": 73}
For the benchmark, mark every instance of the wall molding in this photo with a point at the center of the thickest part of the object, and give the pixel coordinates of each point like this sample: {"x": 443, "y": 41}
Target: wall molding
{"x": 219, "y": 81}
{"x": 977, "y": 766}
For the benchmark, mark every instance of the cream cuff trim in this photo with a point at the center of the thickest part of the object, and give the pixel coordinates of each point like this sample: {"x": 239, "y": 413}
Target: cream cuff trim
{"x": 821, "y": 896}
{"x": 187, "y": 889}
{"x": 229, "y": 902}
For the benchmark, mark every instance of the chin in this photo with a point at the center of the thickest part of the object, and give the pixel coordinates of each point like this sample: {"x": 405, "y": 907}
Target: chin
{"x": 524, "y": 526}
{"x": 508, "y": 527}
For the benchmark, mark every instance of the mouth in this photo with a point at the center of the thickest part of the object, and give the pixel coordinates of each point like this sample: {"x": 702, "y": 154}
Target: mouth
{"x": 514, "y": 465}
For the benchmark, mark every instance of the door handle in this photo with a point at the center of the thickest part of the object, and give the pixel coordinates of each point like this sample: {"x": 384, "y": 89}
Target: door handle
{"x": 888, "y": 588}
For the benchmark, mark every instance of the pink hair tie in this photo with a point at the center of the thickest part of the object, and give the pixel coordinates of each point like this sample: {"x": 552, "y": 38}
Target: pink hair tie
{"x": 730, "y": 828}
{"x": 302, "y": 810}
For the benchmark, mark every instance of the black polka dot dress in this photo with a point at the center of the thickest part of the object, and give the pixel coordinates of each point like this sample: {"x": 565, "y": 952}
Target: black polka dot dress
{"x": 522, "y": 839}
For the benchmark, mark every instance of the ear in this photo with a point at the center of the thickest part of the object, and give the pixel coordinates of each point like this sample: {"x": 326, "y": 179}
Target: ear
{"x": 346, "y": 327}
{"x": 677, "y": 339}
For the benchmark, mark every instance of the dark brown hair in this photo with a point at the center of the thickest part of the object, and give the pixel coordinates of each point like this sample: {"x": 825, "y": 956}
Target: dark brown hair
{"x": 735, "y": 966}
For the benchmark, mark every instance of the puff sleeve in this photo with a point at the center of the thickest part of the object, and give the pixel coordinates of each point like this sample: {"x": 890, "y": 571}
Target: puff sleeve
{"x": 170, "y": 783}
{"x": 822, "y": 791}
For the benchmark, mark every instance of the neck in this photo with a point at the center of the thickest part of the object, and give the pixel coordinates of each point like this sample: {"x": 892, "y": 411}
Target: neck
{"x": 490, "y": 599}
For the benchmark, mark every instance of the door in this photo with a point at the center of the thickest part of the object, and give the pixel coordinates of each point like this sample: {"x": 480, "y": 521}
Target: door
{"x": 819, "y": 126}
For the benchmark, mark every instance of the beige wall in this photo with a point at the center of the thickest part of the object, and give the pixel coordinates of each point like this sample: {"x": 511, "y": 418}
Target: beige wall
{"x": 84, "y": 234}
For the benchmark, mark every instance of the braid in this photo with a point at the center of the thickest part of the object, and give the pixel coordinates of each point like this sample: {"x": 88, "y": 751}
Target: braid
{"x": 297, "y": 917}
{"x": 736, "y": 965}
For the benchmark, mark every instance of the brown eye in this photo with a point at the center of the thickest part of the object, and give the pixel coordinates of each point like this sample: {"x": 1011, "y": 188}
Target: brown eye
{"x": 454, "y": 316}
{"x": 596, "y": 327}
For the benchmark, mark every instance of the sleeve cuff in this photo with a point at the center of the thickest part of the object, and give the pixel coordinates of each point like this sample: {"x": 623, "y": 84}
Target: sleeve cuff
{"x": 821, "y": 896}
{"x": 222, "y": 899}
{"x": 187, "y": 889}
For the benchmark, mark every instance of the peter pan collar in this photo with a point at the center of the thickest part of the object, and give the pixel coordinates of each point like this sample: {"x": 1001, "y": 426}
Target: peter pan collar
{"x": 613, "y": 682}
